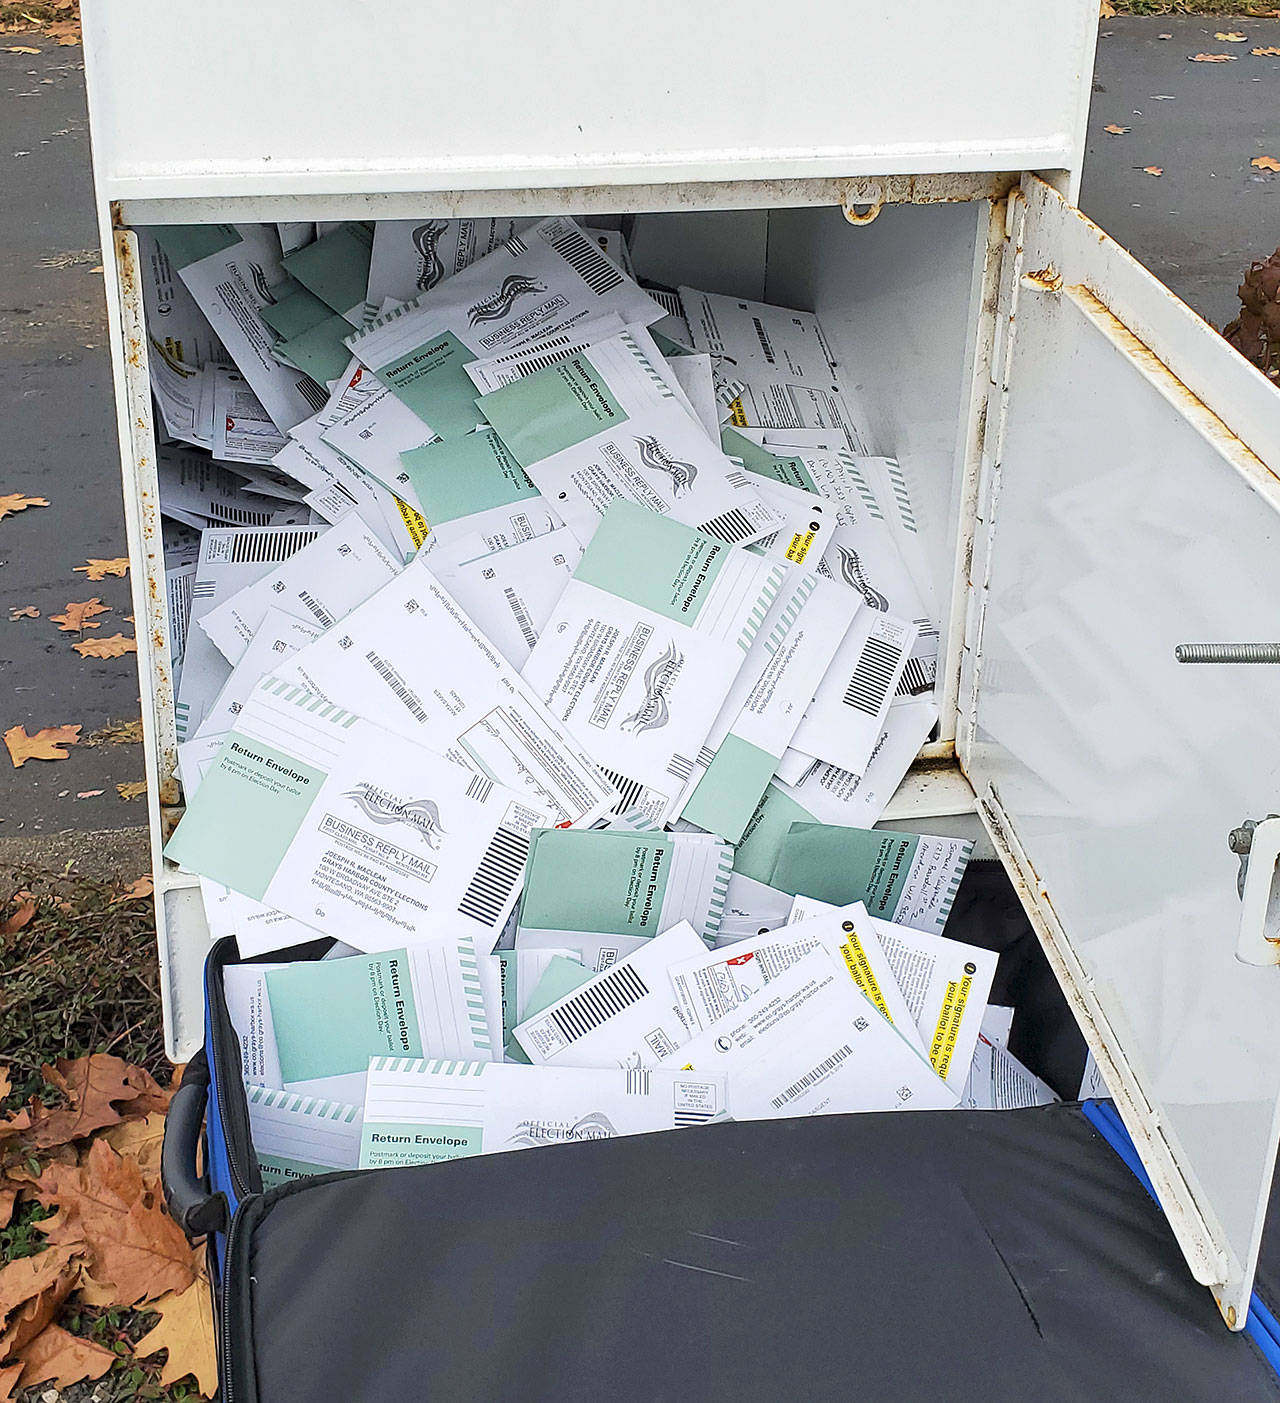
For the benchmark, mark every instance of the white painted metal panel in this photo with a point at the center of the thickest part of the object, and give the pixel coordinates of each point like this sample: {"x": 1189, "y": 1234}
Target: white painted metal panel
{"x": 241, "y": 98}
{"x": 1122, "y": 516}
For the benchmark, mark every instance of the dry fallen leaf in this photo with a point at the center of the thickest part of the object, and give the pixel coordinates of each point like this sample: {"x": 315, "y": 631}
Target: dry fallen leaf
{"x": 1153, "y": 170}
{"x": 1213, "y": 58}
{"x": 1265, "y": 163}
{"x": 6, "y": 1083}
{"x": 75, "y": 618}
{"x": 134, "y": 789}
{"x": 1115, "y": 130}
{"x": 16, "y": 502}
{"x": 90, "y": 793}
{"x": 26, "y": 1278}
{"x": 8, "y": 1197}
{"x": 44, "y": 745}
{"x": 28, "y": 611}
{"x": 1266, "y": 53}
{"x": 20, "y": 49}
{"x": 9, "y": 1374}
{"x": 135, "y": 891}
{"x": 90, "y": 1085}
{"x": 63, "y": 1359}
{"x": 130, "y": 1242}
{"x": 118, "y": 733}
{"x": 140, "y": 1141}
{"x": 186, "y": 1331}
{"x": 1106, "y": 10}
{"x": 114, "y": 647}
{"x": 1232, "y": 38}
{"x": 100, "y": 569}
{"x": 20, "y": 918}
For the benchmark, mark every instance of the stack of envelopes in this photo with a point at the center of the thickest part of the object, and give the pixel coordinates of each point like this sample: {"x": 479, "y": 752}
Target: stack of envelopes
{"x": 578, "y": 641}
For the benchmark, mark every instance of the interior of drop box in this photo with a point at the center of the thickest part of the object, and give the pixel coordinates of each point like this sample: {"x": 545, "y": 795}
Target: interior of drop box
{"x": 900, "y": 300}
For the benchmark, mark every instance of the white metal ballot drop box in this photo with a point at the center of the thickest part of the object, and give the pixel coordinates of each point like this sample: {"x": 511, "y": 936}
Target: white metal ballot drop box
{"x": 1093, "y": 469}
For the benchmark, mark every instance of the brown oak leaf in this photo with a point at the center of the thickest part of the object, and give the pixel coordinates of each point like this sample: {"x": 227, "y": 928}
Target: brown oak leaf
{"x": 11, "y": 924}
{"x": 6, "y": 1083}
{"x": 44, "y": 745}
{"x": 1265, "y": 163}
{"x": 1213, "y": 58}
{"x": 9, "y": 1375}
{"x": 1115, "y": 129}
{"x": 186, "y": 1331}
{"x": 1234, "y": 37}
{"x": 1153, "y": 170}
{"x": 8, "y": 1197}
{"x": 15, "y": 502}
{"x": 75, "y": 618}
{"x": 132, "y": 789}
{"x": 114, "y": 647}
{"x": 28, "y": 611}
{"x": 130, "y": 1242}
{"x": 140, "y": 1141}
{"x": 1266, "y": 53}
{"x": 32, "y": 1290}
{"x": 100, "y": 569}
{"x": 135, "y": 891}
{"x": 63, "y": 1359}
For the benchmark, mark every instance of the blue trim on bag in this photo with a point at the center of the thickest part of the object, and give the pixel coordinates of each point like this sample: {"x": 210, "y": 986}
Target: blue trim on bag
{"x": 221, "y": 1179}
{"x": 1261, "y": 1324}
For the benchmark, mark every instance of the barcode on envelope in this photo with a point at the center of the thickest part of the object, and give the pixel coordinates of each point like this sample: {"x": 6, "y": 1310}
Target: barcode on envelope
{"x": 599, "y": 1002}
{"x": 495, "y": 878}
{"x": 315, "y": 395}
{"x": 521, "y": 616}
{"x": 828, "y": 1064}
{"x": 918, "y": 677}
{"x": 873, "y": 676}
{"x": 269, "y": 546}
{"x": 587, "y": 261}
{"x": 639, "y": 1081}
{"x": 732, "y": 526}
{"x": 322, "y": 614}
{"x": 629, "y": 790}
{"x": 408, "y": 698}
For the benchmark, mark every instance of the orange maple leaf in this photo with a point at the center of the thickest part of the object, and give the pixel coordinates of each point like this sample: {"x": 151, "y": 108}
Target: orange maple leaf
{"x": 44, "y": 745}
{"x": 75, "y": 617}
{"x": 100, "y": 569}
{"x": 114, "y": 647}
{"x": 15, "y": 502}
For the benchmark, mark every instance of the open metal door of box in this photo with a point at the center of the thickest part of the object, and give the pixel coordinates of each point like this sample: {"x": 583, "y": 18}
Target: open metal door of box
{"x": 1130, "y": 503}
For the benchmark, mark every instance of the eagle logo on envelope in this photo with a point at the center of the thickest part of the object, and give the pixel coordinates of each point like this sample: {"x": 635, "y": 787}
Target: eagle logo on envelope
{"x": 653, "y": 455}
{"x": 659, "y": 678}
{"x": 426, "y": 239}
{"x": 596, "y": 1126}
{"x": 381, "y": 807}
{"x": 492, "y": 309}
{"x": 852, "y": 573}
{"x": 260, "y": 284}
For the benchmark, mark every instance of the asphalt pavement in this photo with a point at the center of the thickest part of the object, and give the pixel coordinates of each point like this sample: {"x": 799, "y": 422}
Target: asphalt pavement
{"x": 1197, "y": 226}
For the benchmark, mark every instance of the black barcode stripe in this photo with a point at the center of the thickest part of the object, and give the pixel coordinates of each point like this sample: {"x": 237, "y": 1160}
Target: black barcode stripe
{"x": 521, "y": 616}
{"x": 598, "y": 1002}
{"x": 496, "y": 877}
{"x": 516, "y": 245}
{"x": 679, "y": 768}
{"x": 315, "y": 395}
{"x": 705, "y": 756}
{"x": 587, "y": 261}
{"x": 639, "y": 1080}
{"x": 808, "y": 1080}
{"x": 692, "y": 1117}
{"x": 873, "y": 676}
{"x": 480, "y": 788}
{"x": 318, "y": 609}
{"x": 236, "y": 516}
{"x": 629, "y": 789}
{"x": 918, "y": 677}
{"x": 267, "y": 547}
{"x": 204, "y": 589}
{"x": 393, "y": 680}
{"x": 668, "y": 300}
{"x": 763, "y": 337}
{"x": 731, "y": 526}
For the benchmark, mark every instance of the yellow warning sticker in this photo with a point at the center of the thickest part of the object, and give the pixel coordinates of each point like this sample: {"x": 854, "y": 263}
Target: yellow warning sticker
{"x": 943, "y": 1044}
{"x": 799, "y": 546}
{"x": 737, "y": 415}
{"x": 416, "y": 524}
{"x": 860, "y": 968}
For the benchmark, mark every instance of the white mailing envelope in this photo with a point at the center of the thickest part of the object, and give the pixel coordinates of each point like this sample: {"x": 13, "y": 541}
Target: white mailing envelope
{"x": 944, "y": 983}
{"x": 999, "y": 1082}
{"x": 420, "y": 1112}
{"x": 751, "y": 908}
{"x": 279, "y": 636}
{"x": 511, "y": 594}
{"x": 644, "y": 645}
{"x": 324, "y": 582}
{"x": 243, "y": 431}
{"x": 245, "y": 989}
{"x": 410, "y": 256}
{"x": 604, "y": 424}
{"x": 342, "y": 825}
{"x": 848, "y": 712}
{"x": 540, "y": 283}
{"x": 230, "y": 559}
{"x": 295, "y": 1136}
{"x": 410, "y": 659}
{"x": 809, "y": 1043}
{"x": 720, "y": 980}
{"x": 625, "y": 1017}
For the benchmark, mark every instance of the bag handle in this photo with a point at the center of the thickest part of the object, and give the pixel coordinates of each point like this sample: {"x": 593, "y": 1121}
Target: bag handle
{"x": 186, "y": 1192}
